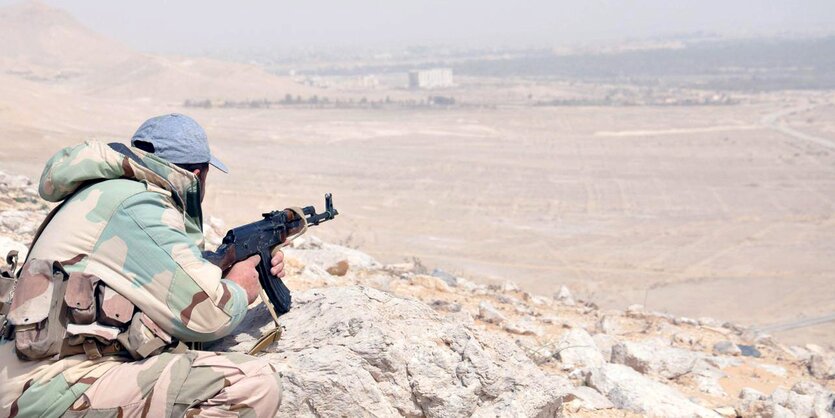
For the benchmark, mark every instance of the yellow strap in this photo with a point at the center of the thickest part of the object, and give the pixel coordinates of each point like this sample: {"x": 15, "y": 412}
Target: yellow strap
{"x": 273, "y": 336}
{"x": 265, "y": 341}
{"x": 300, "y": 213}
{"x": 266, "y": 301}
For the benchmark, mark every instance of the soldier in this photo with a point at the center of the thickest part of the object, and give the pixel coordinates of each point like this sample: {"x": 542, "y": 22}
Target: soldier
{"x": 126, "y": 247}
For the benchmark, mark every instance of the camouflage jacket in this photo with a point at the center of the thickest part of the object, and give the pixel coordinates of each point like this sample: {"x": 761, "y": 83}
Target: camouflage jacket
{"x": 137, "y": 228}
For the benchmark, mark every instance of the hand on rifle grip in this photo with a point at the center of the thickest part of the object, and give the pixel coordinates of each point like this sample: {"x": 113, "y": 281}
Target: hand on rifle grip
{"x": 245, "y": 274}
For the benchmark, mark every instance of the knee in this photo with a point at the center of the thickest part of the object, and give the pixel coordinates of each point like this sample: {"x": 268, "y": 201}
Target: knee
{"x": 270, "y": 379}
{"x": 263, "y": 389}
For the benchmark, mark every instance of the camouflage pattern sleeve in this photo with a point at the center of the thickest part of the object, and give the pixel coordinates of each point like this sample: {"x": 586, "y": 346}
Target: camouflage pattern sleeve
{"x": 162, "y": 272}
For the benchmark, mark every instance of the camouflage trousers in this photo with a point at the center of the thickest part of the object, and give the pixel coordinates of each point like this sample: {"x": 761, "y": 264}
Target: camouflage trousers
{"x": 194, "y": 383}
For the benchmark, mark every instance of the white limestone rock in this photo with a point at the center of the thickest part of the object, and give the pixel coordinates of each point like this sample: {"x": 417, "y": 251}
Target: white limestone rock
{"x": 726, "y": 411}
{"x": 775, "y": 370}
{"x": 509, "y": 286}
{"x": 628, "y": 389}
{"x": 799, "y": 353}
{"x": 658, "y": 360}
{"x": 449, "y": 279}
{"x": 780, "y": 396}
{"x": 430, "y": 282}
{"x": 824, "y": 405}
{"x": 749, "y": 394}
{"x": 608, "y": 324}
{"x": 808, "y": 387}
{"x": 488, "y": 313}
{"x": 15, "y": 181}
{"x": 707, "y": 378}
{"x": 635, "y": 310}
{"x": 356, "y": 351}
{"x": 688, "y": 339}
{"x": 800, "y": 405}
{"x": 604, "y": 343}
{"x": 447, "y": 306}
{"x": 685, "y": 321}
{"x": 585, "y": 398}
{"x": 523, "y": 327}
{"x": 564, "y": 296}
{"x": 774, "y": 410}
{"x": 577, "y": 350}
{"x": 727, "y": 348}
{"x": 538, "y": 300}
{"x": 822, "y": 366}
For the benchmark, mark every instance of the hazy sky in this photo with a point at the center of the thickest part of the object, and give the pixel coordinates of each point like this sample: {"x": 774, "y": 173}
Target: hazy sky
{"x": 199, "y": 25}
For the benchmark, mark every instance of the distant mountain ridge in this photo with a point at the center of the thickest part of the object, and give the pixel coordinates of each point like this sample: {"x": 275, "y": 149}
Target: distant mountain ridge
{"x": 48, "y": 45}
{"x": 39, "y": 39}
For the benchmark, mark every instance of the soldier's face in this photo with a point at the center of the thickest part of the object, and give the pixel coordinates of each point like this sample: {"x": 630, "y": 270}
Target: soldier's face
{"x": 202, "y": 175}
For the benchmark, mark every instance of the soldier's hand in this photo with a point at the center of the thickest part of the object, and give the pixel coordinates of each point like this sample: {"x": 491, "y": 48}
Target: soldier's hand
{"x": 278, "y": 264}
{"x": 244, "y": 274}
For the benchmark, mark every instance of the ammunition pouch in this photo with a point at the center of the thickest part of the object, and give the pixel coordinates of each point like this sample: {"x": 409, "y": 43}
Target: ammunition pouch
{"x": 36, "y": 312}
{"x": 80, "y": 298}
{"x": 144, "y": 338}
{"x": 53, "y": 313}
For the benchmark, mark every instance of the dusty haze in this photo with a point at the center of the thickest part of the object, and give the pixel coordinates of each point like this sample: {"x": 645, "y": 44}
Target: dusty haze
{"x": 194, "y": 26}
{"x": 682, "y": 158}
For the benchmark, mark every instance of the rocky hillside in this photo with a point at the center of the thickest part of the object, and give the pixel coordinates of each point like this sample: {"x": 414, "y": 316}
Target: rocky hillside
{"x": 368, "y": 339}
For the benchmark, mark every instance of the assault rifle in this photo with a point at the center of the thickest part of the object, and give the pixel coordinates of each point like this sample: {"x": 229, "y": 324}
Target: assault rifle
{"x": 261, "y": 237}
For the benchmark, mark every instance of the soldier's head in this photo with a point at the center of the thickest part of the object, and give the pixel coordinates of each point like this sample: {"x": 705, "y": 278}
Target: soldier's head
{"x": 179, "y": 140}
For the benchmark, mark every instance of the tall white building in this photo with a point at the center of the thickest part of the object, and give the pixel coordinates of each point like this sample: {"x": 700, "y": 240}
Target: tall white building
{"x": 430, "y": 79}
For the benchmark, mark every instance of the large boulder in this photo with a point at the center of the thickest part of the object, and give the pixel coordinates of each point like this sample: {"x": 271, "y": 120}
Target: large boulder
{"x": 656, "y": 359}
{"x": 628, "y": 389}
{"x": 578, "y": 350}
{"x": 356, "y": 351}
{"x": 822, "y": 366}
{"x": 488, "y": 313}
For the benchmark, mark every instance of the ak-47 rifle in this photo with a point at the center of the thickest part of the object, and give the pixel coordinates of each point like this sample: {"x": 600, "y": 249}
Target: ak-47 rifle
{"x": 261, "y": 237}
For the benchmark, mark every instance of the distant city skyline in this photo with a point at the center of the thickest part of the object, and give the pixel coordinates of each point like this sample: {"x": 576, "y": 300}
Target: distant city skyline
{"x": 194, "y": 26}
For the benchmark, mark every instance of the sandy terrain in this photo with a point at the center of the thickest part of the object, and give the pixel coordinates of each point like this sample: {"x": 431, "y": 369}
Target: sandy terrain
{"x": 700, "y": 211}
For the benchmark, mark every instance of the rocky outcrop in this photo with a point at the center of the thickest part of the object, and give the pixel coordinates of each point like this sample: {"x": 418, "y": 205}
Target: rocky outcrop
{"x": 354, "y": 351}
{"x": 630, "y": 390}
{"x": 804, "y": 399}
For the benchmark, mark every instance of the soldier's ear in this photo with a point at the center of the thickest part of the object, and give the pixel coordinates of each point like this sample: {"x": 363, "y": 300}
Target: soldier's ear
{"x": 201, "y": 173}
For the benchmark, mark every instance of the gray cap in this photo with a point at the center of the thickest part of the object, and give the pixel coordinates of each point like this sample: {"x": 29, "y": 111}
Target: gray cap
{"x": 177, "y": 139}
